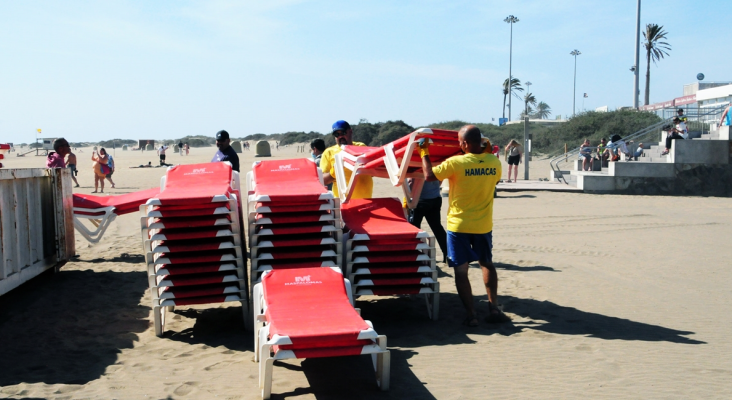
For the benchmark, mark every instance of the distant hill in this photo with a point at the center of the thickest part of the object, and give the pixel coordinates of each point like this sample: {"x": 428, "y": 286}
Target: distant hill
{"x": 546, "y": 140}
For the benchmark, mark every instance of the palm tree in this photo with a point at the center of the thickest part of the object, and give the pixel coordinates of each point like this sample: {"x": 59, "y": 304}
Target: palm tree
{"x": 527, "y": 112}
{"x": 515, "y": 87}
{"x": 529, "y": 98}
{"x": 655, "y": 50}
{"x": 542, "y": 110}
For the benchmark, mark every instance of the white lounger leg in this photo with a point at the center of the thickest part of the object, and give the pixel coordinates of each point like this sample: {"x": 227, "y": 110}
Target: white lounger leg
{"x": 159, "y": 320}
{"x": 433, "y": 303}
{"x": 382, "y": 364}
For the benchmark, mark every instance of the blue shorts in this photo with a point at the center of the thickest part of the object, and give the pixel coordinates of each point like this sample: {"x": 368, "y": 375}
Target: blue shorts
{"x": 468, "y": 247}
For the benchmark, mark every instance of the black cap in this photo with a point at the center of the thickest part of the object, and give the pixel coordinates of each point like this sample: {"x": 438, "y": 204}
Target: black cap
{"x": 222, "y": 135}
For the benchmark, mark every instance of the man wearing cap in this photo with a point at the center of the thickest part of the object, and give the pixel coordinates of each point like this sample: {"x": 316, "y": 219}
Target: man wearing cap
{"x": 473, "y": 178}
{"x": 344, "y": 136}
{"x": 225, "y": 153}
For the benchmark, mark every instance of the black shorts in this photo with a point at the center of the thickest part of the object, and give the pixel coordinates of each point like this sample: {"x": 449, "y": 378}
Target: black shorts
{"x": 514, "y": 160}
{"x": 162, "y": 157}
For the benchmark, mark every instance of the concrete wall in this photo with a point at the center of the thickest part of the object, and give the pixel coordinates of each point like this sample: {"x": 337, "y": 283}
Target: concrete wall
{"x": 687, "y": 180}
{"x": 699, "y": 152}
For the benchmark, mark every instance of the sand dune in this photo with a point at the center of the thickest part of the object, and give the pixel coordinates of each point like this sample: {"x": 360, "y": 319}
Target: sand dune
{"x": 611, "y": 297}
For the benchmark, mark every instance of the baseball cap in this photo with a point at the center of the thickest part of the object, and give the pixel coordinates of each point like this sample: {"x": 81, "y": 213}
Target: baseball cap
{"x": 222, "y": 135}
{"x": 341, "y": 125}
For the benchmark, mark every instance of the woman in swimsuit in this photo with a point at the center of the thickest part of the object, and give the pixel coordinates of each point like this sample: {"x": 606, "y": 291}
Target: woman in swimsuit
{"x": 100, "y": 168}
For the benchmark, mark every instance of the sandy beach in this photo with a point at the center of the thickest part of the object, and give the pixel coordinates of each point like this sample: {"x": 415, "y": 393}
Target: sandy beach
{"x": 611, "y": 297}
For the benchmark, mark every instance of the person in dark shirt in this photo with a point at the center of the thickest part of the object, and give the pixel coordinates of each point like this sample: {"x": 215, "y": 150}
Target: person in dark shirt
{"x": 225, "y": 153}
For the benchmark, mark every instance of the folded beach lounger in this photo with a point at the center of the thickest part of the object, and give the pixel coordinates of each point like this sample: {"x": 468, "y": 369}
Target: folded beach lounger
{"x": 307, "y": 313}
{"x": 192, "y": 238}
{"x": 284, "y": 180}
{"x": 102, "y": 210}
{"x": 395, "y": 161}
{"x": 294, "y": 221}
{"x": 386, "y": 255}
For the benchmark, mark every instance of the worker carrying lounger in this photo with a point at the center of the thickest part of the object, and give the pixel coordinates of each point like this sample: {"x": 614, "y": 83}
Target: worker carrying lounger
{"x": 473, "y": 178}
{"x": 344, "y": 136}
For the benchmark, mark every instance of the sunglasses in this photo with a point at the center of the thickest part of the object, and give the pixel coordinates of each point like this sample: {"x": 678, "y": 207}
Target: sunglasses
{"x": 339, "y": 133}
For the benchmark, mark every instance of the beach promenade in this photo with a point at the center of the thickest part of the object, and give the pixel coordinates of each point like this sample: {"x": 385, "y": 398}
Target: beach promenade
{"x": 611, "y": 297}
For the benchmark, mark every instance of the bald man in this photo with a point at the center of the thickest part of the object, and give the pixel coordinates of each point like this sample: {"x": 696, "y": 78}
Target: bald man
{"x": 473, "y": 178}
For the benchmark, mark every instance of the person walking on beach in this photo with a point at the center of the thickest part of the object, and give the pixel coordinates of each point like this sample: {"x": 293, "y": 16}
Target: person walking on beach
{"x": 513, "y": 158}
{"x": 110, "y": 164}
{"x": 180, "y": 147}
{"x": 187, "y": 148}
{"x": 100, "y": 168}
{"x": 473, "y": 178}
{"x": 344, "y": 136}
{"x": 226, "y": 152}
{"x": 161, "y": 153}
{"x": 71, "y": 164}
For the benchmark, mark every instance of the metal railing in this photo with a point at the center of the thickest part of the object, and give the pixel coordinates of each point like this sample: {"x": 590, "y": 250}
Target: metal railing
{"x": 702, "y": 115}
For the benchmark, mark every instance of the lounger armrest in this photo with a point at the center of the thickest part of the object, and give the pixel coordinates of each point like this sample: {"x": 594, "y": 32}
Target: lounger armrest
{"x": 278, "y": 340}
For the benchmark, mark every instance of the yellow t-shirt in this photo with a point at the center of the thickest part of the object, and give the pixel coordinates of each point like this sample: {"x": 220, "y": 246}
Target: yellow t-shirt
{"x": 473, "y": 179}
{"x": 364, "y": 183}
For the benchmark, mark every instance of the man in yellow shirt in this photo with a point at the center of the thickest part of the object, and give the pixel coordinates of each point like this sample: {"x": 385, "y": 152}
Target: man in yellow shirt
{"x": 473, "y": 178}
{"x": 344, "y": 136}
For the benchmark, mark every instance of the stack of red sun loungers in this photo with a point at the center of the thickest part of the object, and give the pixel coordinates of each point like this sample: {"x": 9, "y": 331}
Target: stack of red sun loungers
{"x": 193, "y": 240}
{"x": 294, "y": 222}
{"x": 4, "y": 148}
{"x": 386, "y": 255}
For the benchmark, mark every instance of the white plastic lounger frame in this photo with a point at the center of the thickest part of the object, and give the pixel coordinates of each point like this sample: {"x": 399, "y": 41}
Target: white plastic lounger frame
{"x": 101, "y": 222}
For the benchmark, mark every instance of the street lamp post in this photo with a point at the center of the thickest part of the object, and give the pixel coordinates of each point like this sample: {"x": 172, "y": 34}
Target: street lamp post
{"x": 575, "y": 53}
{"x": 510, "y": 20}
{"x": 526, "y": 103}
{"x": 636, "y": 92}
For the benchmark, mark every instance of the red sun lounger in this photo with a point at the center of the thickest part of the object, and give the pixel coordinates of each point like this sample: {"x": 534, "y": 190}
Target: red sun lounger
{"x": 283, "y": 180}
{"x": 382, "y": 219}
{"x": 102, "y": 210}
{"x": 395, "y": 161}
{"x": 307, "y": 313}
{"x": 192, "y": 269}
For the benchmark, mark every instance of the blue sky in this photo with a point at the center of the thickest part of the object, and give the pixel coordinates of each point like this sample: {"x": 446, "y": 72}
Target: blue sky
{"x": 166, "y": 69}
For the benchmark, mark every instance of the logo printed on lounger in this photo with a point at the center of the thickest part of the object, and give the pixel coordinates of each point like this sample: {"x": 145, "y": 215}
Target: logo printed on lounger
{"x": 197, "y": 171}
{"x": 302, "y": 280}
{"x": 285, "y": 168}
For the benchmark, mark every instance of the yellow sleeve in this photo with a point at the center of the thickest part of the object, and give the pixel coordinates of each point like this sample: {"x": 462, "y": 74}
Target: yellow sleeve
{"x": 326, "y": 162}
{"x": 444, "y": 170}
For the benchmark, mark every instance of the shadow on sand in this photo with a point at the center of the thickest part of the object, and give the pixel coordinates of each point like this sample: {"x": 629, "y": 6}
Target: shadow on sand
{"x": 65, "y": 327}
{"x": 404, "y": 321}
{"x": 330, "y": 378}
{"x": 214, "y": 327}
{"x": 123, "y": 258}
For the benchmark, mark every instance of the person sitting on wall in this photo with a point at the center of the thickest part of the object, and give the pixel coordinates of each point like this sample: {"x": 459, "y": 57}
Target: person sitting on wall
{"x": 616, "y": 146}
{"x": 586, "y": 155}
{"x": 671, "y": 134}
{"x": 638, "y": 152}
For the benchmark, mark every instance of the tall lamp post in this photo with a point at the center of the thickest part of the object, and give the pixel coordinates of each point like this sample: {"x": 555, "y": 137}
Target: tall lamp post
{"x": 526, "y": 104}
{"x": 636, "y": 92}
{"x": 575, "y": 53}
{"x": 510, "y": 20}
